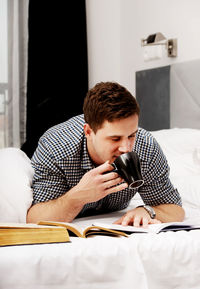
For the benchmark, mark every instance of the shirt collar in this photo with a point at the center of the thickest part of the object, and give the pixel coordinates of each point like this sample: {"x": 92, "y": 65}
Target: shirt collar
{"x": 86, "y": 163}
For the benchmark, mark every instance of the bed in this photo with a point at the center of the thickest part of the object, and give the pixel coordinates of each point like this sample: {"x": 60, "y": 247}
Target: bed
{"x": 165, "y": 260}
{"x": 154, "y": 261}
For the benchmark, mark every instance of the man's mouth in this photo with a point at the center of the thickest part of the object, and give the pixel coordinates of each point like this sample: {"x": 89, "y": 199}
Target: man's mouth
{"x": 116, "y": 156}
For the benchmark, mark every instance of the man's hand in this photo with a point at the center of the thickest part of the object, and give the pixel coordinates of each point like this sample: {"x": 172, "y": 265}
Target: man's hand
{"x": 97, "y": 183}
{"x": 93, "y": 186}
{"x": 137, "y": 217}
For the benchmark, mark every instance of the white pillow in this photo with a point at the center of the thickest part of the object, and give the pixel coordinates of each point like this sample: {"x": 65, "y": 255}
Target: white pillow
{"x": 16, "y": 175}
{"x": 189, "y": 190}
{"x": 181, "y": 147}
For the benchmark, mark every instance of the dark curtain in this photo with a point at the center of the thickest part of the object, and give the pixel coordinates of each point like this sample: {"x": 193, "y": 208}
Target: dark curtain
{"x": 57, "y": 65}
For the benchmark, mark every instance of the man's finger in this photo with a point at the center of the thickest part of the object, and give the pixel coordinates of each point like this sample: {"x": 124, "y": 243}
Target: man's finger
{"x": 119, "y": 221}
{"x": 145, "y": 222}
{"x": 137, "y": 221}
{"x": 104, "y": 168}
{"x": 154, "y": 221}
{"x": 116, "y": 188}
{"x": 111, "y": 176}
{"x": 126, "y": 220}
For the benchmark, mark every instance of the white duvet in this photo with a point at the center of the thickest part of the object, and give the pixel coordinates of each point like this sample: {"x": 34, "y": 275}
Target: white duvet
{"x": 153, "y": 261}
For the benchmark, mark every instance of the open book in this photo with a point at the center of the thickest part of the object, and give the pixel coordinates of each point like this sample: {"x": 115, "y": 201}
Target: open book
{"x": 119, "y": 230}
{"x": 95, "y": 229}
{"x": 54, "y": 232}
{"x": 21, "y": 234}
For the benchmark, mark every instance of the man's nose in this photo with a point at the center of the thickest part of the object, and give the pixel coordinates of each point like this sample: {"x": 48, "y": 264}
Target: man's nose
{"x": 125, "y": 146}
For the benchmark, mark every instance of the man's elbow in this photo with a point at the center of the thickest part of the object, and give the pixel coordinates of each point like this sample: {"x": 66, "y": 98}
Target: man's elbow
{"x": 180, "y": 213}
{"x": 32, "y": 214}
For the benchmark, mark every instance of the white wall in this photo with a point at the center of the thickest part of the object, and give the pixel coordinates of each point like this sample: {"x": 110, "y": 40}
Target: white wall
{"x": 116, "y": 27}
{"x": 103, "y": 27}
{"x": 3, "y": 42}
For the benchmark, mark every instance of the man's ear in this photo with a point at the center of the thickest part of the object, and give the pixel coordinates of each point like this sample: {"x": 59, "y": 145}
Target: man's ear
{"x": 87, "y": 129}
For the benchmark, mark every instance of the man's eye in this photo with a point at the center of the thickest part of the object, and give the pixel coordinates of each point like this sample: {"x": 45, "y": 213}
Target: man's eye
{"x": 132, "y": 136}
{"x": 115, "y": 139}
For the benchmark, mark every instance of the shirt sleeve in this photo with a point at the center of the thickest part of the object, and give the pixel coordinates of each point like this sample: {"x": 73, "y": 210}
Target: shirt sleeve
{"x": 49, "y": 180}
{"x": 157, "y": 188}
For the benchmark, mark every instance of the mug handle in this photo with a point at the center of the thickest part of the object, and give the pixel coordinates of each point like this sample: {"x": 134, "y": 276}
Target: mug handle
{"x": 115, "y": 168}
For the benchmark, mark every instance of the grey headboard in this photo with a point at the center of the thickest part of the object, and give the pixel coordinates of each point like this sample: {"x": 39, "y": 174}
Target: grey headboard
{"x": 169, "y": 96}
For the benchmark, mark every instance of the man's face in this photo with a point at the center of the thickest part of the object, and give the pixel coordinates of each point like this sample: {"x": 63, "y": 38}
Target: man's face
{"x": 112, "y": 139}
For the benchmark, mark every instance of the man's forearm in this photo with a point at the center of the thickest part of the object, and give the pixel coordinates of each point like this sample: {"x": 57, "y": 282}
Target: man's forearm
{"x": 63, "y": 209}
{"x": 92, "y": 187}
{"x": 169, "y": 213}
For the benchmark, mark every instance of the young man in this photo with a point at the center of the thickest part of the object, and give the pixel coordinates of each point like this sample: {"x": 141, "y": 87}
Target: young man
{"x": 72, "y": 158}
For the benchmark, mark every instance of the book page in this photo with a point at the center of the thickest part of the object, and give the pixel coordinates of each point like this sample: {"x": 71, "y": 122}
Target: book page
{"x": 74, "y": 228}
{"x": 21, "y": 226}
{"x": 127, "y": 229}
{"x": 173, "y": 226}
{"x": 152, "y": 228}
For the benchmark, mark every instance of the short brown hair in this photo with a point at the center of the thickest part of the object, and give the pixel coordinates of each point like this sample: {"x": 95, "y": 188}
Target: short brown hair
{"x": 108, "y": 101}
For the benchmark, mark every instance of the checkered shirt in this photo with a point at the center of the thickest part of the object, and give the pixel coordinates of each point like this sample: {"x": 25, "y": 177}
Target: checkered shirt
{"x": 61, "y": 159}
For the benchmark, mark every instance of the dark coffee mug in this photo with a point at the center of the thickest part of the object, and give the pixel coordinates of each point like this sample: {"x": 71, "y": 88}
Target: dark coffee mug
{"x": 128, "y": 167}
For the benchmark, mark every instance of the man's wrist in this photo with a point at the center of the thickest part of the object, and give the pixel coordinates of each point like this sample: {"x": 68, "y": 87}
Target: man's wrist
{"x": 73, "y": 198}
{"x": 150, "y": 210}
{"x": 73, "y": 204}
